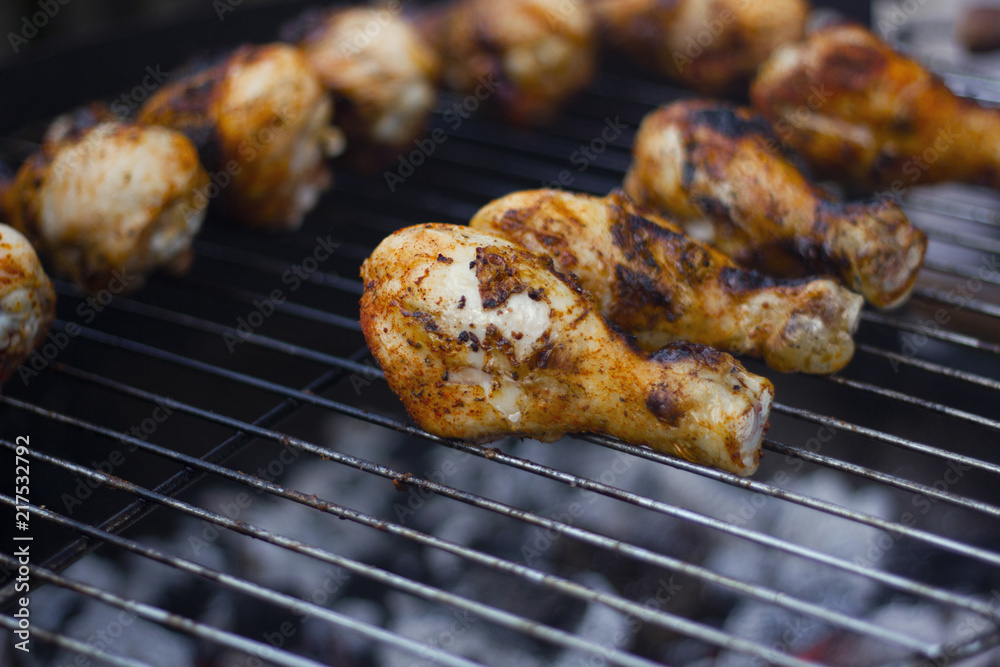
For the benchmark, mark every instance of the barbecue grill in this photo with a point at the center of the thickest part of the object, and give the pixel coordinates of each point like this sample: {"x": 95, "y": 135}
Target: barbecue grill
{"x": 206, "y": 415}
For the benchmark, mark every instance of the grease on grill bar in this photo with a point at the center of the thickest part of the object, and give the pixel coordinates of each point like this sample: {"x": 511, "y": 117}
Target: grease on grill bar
{"x": 325, "y": 528}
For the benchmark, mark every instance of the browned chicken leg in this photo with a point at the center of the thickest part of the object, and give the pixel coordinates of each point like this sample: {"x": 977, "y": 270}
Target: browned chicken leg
{"x": 261, "y": 120}
{"x": 713, "y": 46}
{"x": 527, "y": 57}
{"x": 862, "y": 114}
{"x": 379, "y": 71}
{"x": 657, "y": 283}
{"x": 707, "y": 161}
{"x": 482, "y": 339}
{"x": 107, "y": 202}
{"x": 27, "y": 301}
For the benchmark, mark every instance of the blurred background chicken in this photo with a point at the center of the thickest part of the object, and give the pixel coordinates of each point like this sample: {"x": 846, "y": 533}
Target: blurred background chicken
{"x": 482, "y": 339}
{"x": 261, "y": 120}
{"x": 657, "y": 283}
{"x": 27, "y": 301}
{"x": 108, "y": 202}
{"x": 705, "y": 161}
{"x": 527, "y": 56}
{"x": 864, "y": 115}
{"x": 713, "y": 46}
{"x": 378, "y": 69}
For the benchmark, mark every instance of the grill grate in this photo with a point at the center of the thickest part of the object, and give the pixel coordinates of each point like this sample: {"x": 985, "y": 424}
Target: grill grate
{"x": 917, "y": 402}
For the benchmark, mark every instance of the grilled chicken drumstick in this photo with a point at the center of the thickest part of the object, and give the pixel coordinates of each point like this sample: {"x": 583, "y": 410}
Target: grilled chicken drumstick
{"x": 261, "y": 119}
{"x": 529, "y": 56}
{"x": 482, "y": 339}
{"x": 380, "y": 72}
{"x": 27, "y": 300}
{"x": 862, "y": 114}
{"x": 701, "y": 160}
{"x": 108, "y": 202}
{"x": 657, "y": 283}
{"x": 713, "y": 47}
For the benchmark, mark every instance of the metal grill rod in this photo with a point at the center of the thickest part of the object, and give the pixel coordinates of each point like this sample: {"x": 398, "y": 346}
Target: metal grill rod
{"x": 182, "y": 319}
{"x": 931, "y": 367}
{"x": 891, "y": 580}
{"x": 151, "y": 311}
{"x": 669, "y": 621}
{"x": 763, "y": 488}
{"x": 286, "y": 307}
{"x": 265, "y": 264}
{"x": 930, "y": 406}
{"x": 959, "y": 271}
{"x": 333, "y": 405}
{"x": 760, "y": 593}
{"x": 884, "y": 478}
{"x": 943, "y": 296}
{"x": 962, "y": 240}
{"x": 881, "y": 436}
{"x": 180, "y": 480}
{"x": 954, "y": 208}
{"x": 529, "y": 167}
{"x": 939, "y": 334}
{"x": 71, "y": 644}
{"x": 165, "y": 618}
{"x": 371, "y": 372}
{"x": 207, "y": 326}
{"x": 430, "y": 593}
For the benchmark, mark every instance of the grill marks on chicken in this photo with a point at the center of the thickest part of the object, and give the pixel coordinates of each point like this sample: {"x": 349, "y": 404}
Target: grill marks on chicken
{"x": 528, "y": 56}
{"x": 27, "y": 301}
{"x": 382, "y": 84}
{"x": 106, "y": 201}
{"x": 260, "y": 117}
{"x": 713, "y": 46}
{"x": 864, "y": 115}
{"x": 655, "y": 282}
{"x": 704, "y": 161}
{"x": 496, "y": 342}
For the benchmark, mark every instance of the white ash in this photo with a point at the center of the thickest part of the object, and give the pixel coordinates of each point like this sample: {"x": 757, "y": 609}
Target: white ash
{"x": 831, "y": 588}
{"x": 509, "y": 538}
{"x": 458, "y": 632}
{"x": 609, "y": 629}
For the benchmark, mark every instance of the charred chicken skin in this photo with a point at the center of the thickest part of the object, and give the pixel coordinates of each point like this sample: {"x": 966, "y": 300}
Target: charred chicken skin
{"x": 378, "y": 69}
{"x": 712, "y": 46}
{"x": 707, "y": 161}
{"x": 483, "y": 339}
{"x": 864, "y": 115}
{"x": 657, "y": 283}
{"x": 527, "y": 56}
{"x": 27, "y": 301}
{"x": 108, "y": 202}
{"x": 261, "y": 120}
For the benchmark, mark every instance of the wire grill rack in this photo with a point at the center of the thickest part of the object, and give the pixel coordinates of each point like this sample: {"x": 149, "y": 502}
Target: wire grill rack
{"x": 142, "y": 400}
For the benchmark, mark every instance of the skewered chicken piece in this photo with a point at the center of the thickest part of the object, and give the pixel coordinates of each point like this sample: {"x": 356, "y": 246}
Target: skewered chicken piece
{"x": 27, "y": 301}
{"x": 706, "y": 161}
{"x": 261, "y": 120}
{"x": 108, "y": 202}
{"x": 380, "y": 72}
{"x": 482, "y": 339}
{"x": 657, "y": 283}
{"x": 713, "y": 47}
{"x": 530, "y": 55}
{"x": 864, "y": 115}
